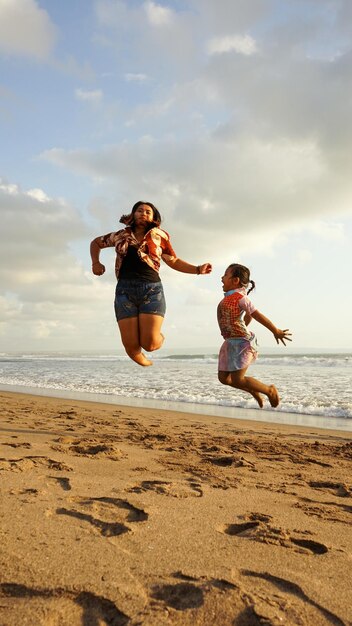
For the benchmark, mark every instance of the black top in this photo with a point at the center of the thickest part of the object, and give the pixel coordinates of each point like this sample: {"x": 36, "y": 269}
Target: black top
{"x": 133, "y": 268}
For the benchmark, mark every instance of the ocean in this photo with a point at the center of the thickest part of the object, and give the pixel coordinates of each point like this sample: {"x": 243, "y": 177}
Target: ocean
{"x": 315, "y": 389}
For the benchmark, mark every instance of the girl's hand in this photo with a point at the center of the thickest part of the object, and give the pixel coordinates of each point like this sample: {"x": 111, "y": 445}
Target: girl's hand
{"x": 98, "y": 268}
{"x": 282, "y": 335}
{"x": 205, "y": 268}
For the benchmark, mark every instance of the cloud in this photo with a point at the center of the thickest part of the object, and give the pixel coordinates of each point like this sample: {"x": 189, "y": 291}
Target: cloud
{"x": 37, "y": 228}
{"x": 45, "y": 289}
{"x": 303, "y": 256}
{"x": 243, "y": 44}
{"x": 329, "y": 231}
{"x": 157, "y": 14}
{"x": 139, "y": 78}
{"x": 26, "y": 29}
{"x": 147, "y": 36}
{"x": 230, "y": 188}
{"x": 37, "y": 194}
{"x": 89, "y": 96}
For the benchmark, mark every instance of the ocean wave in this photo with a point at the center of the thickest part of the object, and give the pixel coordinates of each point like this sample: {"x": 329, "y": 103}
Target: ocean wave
{"x": 300, "y": 380}
{"x": 306, "y": 406}
{"x": 316, "y": 360}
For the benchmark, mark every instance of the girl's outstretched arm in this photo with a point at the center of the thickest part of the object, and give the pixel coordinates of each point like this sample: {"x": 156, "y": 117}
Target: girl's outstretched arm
{"x": 280, "y": 335}
{"x": 247, "y": 319}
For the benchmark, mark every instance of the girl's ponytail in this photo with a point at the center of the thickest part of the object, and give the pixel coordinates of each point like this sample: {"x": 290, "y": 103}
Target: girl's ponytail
{"x": 253, "y": 286}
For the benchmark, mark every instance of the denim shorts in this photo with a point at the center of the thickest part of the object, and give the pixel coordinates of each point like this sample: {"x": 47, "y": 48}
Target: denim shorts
{"x": 133, "y": 297}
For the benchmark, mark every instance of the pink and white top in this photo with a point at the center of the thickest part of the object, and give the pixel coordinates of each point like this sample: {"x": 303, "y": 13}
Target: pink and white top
{"x": 231, "y": 312}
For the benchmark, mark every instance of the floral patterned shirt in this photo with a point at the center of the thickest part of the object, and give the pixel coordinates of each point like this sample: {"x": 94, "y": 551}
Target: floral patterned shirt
{"x": 154, "y": 246}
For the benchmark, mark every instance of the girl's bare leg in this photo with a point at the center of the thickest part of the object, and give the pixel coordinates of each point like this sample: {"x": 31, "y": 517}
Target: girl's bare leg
{"x": 129, "y": 330}
{"x": 256, "y": 395}
{"x": 253, "y": 386}
{"x": 250, "y": 384}
{"x": 150, "y": 336}
{"x": 225, "y": 379}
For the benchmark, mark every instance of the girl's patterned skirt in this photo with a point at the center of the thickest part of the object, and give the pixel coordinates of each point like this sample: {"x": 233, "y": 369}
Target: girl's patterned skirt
{"x": 237, "y": 354}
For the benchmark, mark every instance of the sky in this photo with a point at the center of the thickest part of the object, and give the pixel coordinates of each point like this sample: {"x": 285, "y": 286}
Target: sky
{"x": 232, "y": 116}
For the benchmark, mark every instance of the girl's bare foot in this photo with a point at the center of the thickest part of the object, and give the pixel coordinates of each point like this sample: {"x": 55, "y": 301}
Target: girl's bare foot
{"x": 273, "y": 396}
{"x": 258, "y": 398}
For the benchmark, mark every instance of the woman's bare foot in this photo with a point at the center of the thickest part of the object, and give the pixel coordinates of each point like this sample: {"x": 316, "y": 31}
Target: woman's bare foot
{"x": 256, "y": 395}
{"x": 273, "y": 396}
{"x": 141, "y": 359}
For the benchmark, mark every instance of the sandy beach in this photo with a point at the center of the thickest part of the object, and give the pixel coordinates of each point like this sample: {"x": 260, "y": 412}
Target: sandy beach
{"x": 116, "y": 515}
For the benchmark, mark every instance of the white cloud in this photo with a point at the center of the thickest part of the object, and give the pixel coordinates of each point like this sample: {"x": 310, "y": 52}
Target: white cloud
{"x": 243, "y": 44}
{"x": 26, "y": 29}
{"x": 215, "y": 176}
{"x": 329, "y": 231}
{"x": 157, "y": 14}
{"x": 89, "y": 96}
{"x": 8, "y": 188}
{"x": 303, "y": 256}
{"x": 38, "y": 194}
{"x": 44, "y": 288}
{"x": 39, "y": 229}
{"x": 147, "y": 36}
{"x": 139, "y": 78}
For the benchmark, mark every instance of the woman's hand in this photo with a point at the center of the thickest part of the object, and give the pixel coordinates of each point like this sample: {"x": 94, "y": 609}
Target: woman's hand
{"x": 205, "y": 268}
{"x": 98, "y": 268}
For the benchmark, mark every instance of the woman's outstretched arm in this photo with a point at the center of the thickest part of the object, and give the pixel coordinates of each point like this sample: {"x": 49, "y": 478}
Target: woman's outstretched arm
{"x": 188, "y": 268}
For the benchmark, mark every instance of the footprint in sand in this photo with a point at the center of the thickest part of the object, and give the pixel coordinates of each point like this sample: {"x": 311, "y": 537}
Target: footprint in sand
{"x": 331, "y": 511}
{"x": 225, "y": 460}
{"x": 254, "y": 598}
{"x": 18, "y": 444}
{"x": 258, "y": 527}
{"x": 176, "y": 489}
{"x": 59, "y": 605}
{"x": 107, "y": 515}
{"x": 93, "y": 448}
{"x": 63, "y": 482}
{"x": 27, "y": 463}
{"x": 205, "y": 601}
{"x": 278, "y": 600}
{"x": 191, "y": 600}
{"x": 69, "y": 415}
{"x": 180, "y": 596}
{"x": 337, "y": 489}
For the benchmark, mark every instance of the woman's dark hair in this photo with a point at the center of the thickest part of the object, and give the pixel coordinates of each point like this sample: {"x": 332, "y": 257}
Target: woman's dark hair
{"x": 129, "y": 218}
{"x": 243, "y": 273}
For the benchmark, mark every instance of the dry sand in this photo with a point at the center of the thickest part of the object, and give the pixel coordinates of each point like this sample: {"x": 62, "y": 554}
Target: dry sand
{"x": 124, "y": 516}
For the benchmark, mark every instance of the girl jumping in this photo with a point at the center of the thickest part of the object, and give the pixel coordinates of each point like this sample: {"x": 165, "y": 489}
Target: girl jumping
{"x": 237, "y": 352}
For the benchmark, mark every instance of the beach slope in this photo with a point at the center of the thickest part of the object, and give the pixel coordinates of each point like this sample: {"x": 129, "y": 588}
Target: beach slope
{"x": 120, "y": 516}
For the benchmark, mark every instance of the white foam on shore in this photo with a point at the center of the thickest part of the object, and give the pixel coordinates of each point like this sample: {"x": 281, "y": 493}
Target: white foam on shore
{"x": 268, "y": 416}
